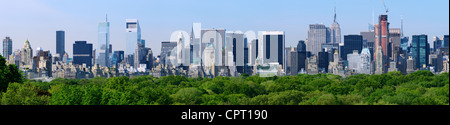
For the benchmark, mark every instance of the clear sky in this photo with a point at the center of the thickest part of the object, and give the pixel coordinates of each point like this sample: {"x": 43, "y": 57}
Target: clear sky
{"x": 38, "y": 20}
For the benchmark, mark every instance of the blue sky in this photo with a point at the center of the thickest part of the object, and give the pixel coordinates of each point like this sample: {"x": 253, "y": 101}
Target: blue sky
{"x": 38, "y": 20}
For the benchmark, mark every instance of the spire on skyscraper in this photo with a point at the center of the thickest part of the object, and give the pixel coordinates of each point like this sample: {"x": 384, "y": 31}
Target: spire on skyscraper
{"x": 335, "y": 14}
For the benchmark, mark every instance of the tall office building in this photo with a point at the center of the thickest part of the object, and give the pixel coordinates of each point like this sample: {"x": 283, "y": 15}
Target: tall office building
{"x": 117, "y": 57}
{"x": 82, "y": 53}
{"x": 272, "y": 47}
{"x": 437, "y": 43}
{"x": 7, "y": 47}
{"x": 382, "y": 38}
{"x": 445, "y": 41}
{"x": 60, "y": 43}
{"x": 133, "y": 36}
{"x": 395, "y": 43}
{"x": 103, "y": 49}
{"x": 214, "y": 40}
{"x": 301, "y": 46}
{"x": 235, "y": 45}
{"x": 445, "y": 44}
{"x": 351, "y": 42}
{"x": 420, "y": 50}
{"x": 335, "y": 30}
{"x": 365, "y": 61}
{"x": 323, "y": 62}
{"x": 166, "y": 49}
{"x": 369, "y": 41}
{"x": 196, "y": 43}
{"x": 317, "y": 35}
{"x": 380, "y": 68}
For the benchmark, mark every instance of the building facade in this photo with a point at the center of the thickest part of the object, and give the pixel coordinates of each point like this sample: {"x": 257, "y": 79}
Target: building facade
{"x": 82, "y": 53}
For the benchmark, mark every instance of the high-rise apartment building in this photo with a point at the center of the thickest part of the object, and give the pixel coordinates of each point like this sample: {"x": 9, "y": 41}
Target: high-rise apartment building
{"x": 7, "y": 47}
{"x": 382, "y": 38}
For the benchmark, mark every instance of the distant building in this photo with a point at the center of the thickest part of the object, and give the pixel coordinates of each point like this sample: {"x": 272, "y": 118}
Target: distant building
{"x": 82, "y": 53}
{"x": 103, "y": 46}
{"x": 272, "y": 47}
{"x": 395, "y": 43}
{"x": 60, "y": 43}
{"x": 351, "y": 43}
{"x": 411, "y": 66}
{"x": 420, "y": 49}
{"x": 26, "y": 56}
{"x": 382, "y": 39}
{"x": 133, "y": 31}
{"x": 117, "y": 57}
{"x": 43, "y": 63}
{"x": 369, "y": 41}
{"x": 317, "y": 35}
{"x": 7, "y": 47}
{"x": 166, "y": 49}
{"x": 301, "y": 46}
{"x": 323, "y": 62}
{"x": 335, "y": 31}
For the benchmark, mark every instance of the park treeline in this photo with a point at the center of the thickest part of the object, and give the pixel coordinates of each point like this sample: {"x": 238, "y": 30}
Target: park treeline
{"x": 393, "y": 88}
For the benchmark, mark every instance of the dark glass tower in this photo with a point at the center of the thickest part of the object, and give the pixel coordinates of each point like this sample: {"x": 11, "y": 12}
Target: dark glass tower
{"x": 60, "y": 43}
{"x": 351, "y": 42}
{"x": 420, "y": 50}
{"x": 82, "y": 53}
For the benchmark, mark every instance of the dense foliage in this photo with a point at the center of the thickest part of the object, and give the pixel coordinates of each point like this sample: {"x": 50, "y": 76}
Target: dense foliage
{"x": 394, "y": 88}
{"x": 8, "y": 74}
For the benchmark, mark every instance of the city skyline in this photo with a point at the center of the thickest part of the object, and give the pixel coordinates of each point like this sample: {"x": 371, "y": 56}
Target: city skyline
{"x": 40, "y": 19}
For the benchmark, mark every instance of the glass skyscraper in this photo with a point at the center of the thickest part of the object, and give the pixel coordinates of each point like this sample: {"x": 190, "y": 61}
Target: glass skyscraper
{"x": 82, "y": 53}
{"x": 60, "y": 43}
{"x": 102, "y": 51}
{"x": 420, "y": 49}
{"x": 133, "y": 35}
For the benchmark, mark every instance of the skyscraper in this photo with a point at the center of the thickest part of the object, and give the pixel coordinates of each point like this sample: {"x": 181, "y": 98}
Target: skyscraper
{"x": 133, "y": 35}
{"x": 103, "y": 49}
{"x": 382, "y": 38}
{"x": 420, "y": 50}
{"x": 395, "y": 42}
{"x": 82, "y": 53}
{"x": 323, "y": 62}
{"x": 351, "y": 42}
{"x": 335, "y": 30}
{"x": 7, "y": 47}
{"x": 117, "y": 57}
{"x": 166, "y": 48}
{"x": 26, "y": 58}
{"x": 235, "y": 45}
{"x": 369, "y": 41}
{"x": 317, "y": 35}
{"x": 60, "y": 43}
{"x": 196, "y": 42}
{"x": 272, "y": 47}
{"x": 437, "y": 43}
{"x": 301, "y": 46}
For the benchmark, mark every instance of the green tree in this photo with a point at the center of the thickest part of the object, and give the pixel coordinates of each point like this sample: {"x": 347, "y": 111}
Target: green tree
{"x": 187, "y": 96}
{"x": 8, "y": 74}
{"x": 23, "y": 94}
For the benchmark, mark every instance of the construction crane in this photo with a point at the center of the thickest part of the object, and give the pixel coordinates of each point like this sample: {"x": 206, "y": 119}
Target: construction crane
{"x": 387, "y": 10}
